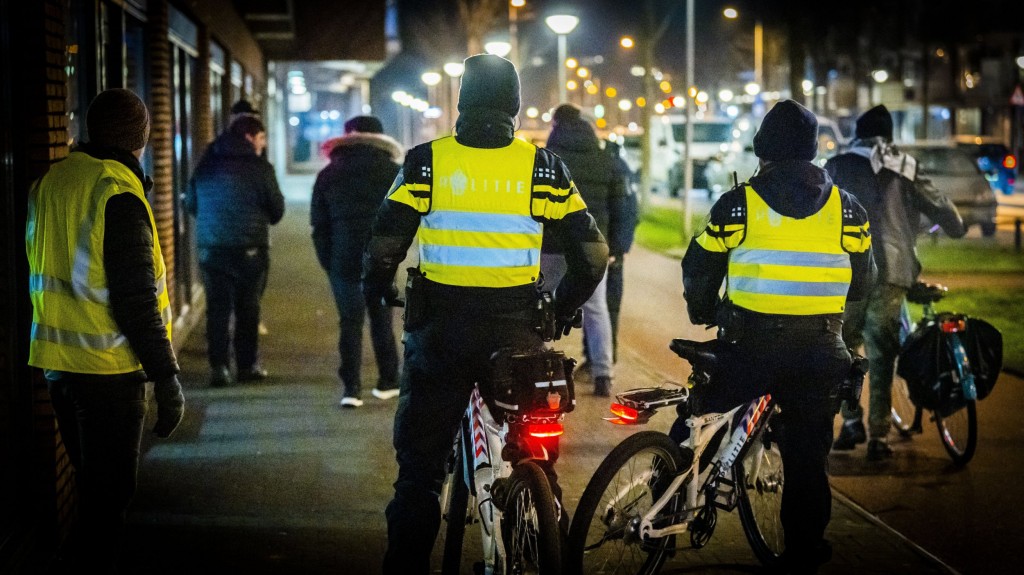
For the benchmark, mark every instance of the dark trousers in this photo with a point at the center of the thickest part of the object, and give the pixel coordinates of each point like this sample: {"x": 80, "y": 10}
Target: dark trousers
{"x": 443, "y": 359}
{"x": 799, "y": 368}
{"x": 614, "y": 298}
{"x": 234, "y": 279}
{"x": 101, "y": 420}
{"x": 352, "y": 312}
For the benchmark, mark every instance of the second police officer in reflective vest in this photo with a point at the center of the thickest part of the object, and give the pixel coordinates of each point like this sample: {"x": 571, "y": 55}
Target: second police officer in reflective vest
{"x": 792, "y": 249}
{"x": 479, "y": 204}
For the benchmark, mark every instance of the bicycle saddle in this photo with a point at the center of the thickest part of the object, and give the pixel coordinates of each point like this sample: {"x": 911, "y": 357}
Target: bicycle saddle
{"x": 696, "y": 352}
{"x": 925, "y": 293}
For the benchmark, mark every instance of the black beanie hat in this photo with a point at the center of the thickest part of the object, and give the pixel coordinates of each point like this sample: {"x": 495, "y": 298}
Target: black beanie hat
{"x": 875, "y": 122}
{"x": 118, "y": 119}
{"x": 489, "y": 81}
{"x": 789, "y": 131}
{"x": 565, "y": 113}
{"x": 365, "y": 124}
{"x": 243, "y": 107}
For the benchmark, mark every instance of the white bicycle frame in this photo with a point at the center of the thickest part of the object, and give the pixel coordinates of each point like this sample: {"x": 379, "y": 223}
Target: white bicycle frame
{"x": 702, "y": 429}
{"x": 487, "y": 438}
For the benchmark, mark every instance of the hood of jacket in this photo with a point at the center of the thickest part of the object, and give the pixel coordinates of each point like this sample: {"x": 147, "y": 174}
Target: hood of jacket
{"x": 231, "y": 145}
{"x": 359, "y": 141}
{"x": 576, "y": 136}
{"x": 795, "y": 189}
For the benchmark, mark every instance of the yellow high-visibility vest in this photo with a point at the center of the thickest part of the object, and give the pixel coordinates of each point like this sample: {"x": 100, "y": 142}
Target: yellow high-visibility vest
{"x": 73, "y": 328}
{"x": 481, "y": 225}
{"x": 790, "y": 266}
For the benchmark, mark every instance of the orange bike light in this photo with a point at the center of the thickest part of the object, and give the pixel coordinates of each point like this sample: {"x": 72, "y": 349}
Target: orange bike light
{"x": 624, "y": 412}
{"x": 544, "y": 429}
{"x": 953, "y": 325}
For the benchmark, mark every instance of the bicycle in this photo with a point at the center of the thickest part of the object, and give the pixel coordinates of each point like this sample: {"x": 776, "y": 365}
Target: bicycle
{"x": 956, "y": 418}
{"x": 649, "y": 489}
{"x": 493, "y": 474}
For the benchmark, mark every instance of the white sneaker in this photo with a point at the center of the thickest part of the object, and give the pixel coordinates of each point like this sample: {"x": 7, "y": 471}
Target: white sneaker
{"x": 351, "y": 402}
{"x": 385, "y": 393}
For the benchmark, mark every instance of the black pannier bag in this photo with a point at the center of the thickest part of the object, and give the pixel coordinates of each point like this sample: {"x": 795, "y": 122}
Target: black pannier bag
{"x": 927, "y": 363}
{"x": 535, "y": 382}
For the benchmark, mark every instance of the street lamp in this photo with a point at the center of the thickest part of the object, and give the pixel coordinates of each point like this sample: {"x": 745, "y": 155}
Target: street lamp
{"x": 513, "y": 30}
{"x": 561, "y": 24}
{"x": 732, "y": 14}
{"x": 431, "y": 79}
{"x": 498, "y": 48}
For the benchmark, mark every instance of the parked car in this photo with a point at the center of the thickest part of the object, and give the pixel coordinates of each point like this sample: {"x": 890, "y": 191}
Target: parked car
{"x": 994, "y": 159}
{"x": 955, "y": 172}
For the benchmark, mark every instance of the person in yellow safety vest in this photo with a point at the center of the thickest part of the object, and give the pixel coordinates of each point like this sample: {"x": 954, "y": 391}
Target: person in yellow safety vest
{"x": 792, "y": 250}
{"x": 101, "y": 321}
{"x": 479, "y": 204}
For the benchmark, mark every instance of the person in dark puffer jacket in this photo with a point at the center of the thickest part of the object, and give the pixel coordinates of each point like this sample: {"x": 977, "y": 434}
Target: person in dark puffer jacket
{"x": 602, "y": 186}
{"x": 235, "y": 198}
{"x": 346, "y": 196}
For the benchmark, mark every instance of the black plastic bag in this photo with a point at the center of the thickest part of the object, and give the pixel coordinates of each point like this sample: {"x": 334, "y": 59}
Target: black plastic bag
{"x": 928, "y": 364}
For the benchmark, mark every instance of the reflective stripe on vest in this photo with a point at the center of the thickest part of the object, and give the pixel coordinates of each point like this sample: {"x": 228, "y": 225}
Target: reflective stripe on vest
{"x": 73, "y": 328}
{"x": 480, "y": 231}
{"x": 791, "y": 266}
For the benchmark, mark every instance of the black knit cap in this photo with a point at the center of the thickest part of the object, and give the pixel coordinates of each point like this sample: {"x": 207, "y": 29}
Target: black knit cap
{"x": 489, "y": 81}
{"x": 875, "y": 122}
{"x": 789, "y": 131}
{"x": 118, "y": 119}
{"x": 566, "y": 113}
{"x": 243, "y": 107}
{"x": 365, "y": 124}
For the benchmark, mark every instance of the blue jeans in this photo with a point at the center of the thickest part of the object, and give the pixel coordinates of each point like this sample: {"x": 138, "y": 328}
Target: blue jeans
{"x": 234, "y": 279}
{"x": 100, "y": 418}
{"x": 352, "y": 312}
{"x": 597, "y": 325}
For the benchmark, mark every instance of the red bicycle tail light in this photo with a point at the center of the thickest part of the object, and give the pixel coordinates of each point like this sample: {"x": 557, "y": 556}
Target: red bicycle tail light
{"x": 544, "y": 429}
{"x": 1010, "y": 162}
{"x": 624, "y": 412}
{"x": 953, "y": 325}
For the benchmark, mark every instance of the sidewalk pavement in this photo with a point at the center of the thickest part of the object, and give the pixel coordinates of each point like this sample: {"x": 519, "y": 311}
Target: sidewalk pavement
{"x": 273, "y": 478}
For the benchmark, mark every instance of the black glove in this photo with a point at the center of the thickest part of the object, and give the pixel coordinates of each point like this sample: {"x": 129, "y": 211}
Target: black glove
{"x": 170, "y": 405}
{"x": 388, "y": 298}
{"x": 565, "y": 323}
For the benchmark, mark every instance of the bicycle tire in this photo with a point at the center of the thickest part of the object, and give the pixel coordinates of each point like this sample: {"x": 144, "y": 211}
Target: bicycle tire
{"x": 455, "y": 514}
{"x": 959, "y": 433}
{"x": 529, "y": 524}
{"x": 760, "y": 484}
{"x": 620, "y": 477}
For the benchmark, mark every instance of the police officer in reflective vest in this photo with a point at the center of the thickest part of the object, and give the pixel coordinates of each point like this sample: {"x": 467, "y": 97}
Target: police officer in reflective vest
{"x": 792, "y": 249}
{"x": 101, "y": 320}
{"x": 479, "y": 204}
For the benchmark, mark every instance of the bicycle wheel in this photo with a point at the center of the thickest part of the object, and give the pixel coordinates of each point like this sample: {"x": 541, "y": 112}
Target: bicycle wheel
{"x": 959, "y": 433}
{"x": 529, "y": 524}
{"x": 454, "y": 513}
{"x": 759, "y": 484}
{"x": 906, "y": 417}
{"x": 603, "y": 536}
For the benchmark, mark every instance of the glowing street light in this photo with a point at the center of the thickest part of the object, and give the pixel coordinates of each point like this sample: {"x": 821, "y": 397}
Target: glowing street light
{"x": 562, "y": 25}
{"x": 627, "y": 42}
{"x": 498, "y": 48}
{"x": 431, "y": 78}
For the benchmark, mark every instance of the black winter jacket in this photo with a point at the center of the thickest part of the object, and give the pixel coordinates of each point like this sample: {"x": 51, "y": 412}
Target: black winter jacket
{"x": 895, "y": 196}
{"x": 346, "y": 196}
{"x": 234, "y": 196}
{"x": 599, "y": 180}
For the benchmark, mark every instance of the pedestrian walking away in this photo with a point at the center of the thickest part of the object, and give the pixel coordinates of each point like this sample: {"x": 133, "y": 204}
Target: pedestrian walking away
{"x": 622, "y": 245}
{"x": 887, "y": 183}
{"x": 235, "y": 198}
{"x": 792, "y": 250}
{"x": 346, "y": 196}
{"x": 479, "y": 204}
{"x": 101, "y": 320}
{"x": 603, "y": 187}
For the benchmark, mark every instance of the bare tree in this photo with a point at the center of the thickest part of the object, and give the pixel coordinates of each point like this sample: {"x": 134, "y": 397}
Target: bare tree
{"x": 478, "y": 19}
